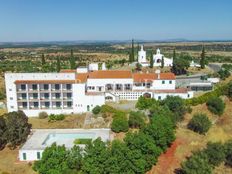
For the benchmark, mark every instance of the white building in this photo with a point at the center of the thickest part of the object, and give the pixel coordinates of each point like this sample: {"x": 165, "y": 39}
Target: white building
{"x": 78, "y": 91}
{"x": 157, "y": 59}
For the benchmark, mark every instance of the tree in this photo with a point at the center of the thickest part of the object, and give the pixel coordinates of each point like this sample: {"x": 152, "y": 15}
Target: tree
{"x": 137, "y": 51}
{"x": 43, "y": 62}
{"x": 162, "y": 62}
{"x": 95, "y": 158}
{"x": 136, "y": 119}
{"x": 162, "y": 130}
{"x": 223, "y": 73}
{"x": 197, "y": 164}
{"x": 146, "y": 144}
{"x": 3, "y": 129}
{"x": 132, "y": 51}
{"x": 144, "y": 103}
{"x": 59, "y": 160}
{"x": 216, "y": 105}
{"x": 215, "y": 153}
{"x": 72, "y": 61}
{"x": 58, "y": 64}
{"x": 200, "y": 123}
{"x": 174, "y": 55}
{"x": 120, "y": 123}
{"x": 17, "y": 127}
{"x": 180, "y": 66}
{"x": 96, "y": 110}
{"x": 229, "y": 90}
{"x": 202, "y": 61}
{"x": 228, "y": 153}
{"x": 122, "y": 159}
{"x": 177, "y": 106}
{"x": 151, "y": 60}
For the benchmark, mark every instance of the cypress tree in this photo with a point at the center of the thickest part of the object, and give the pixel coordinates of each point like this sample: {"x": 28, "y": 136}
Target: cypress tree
{"x": 43, "y": 59}
{"x": 162, "y": 62}
{"x": 58, "y": 64}
{"x": 72, "y": 61}
{"x": 151, "y": 61}
{"x": 202, "y": 61}
{"x": 174, "y": 54}
{"x": 132, "y": 51}
{"x": 137, "y": 51}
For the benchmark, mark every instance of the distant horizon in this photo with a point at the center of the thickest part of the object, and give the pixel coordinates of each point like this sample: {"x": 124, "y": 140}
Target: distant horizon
{"x": 107, "y": 20}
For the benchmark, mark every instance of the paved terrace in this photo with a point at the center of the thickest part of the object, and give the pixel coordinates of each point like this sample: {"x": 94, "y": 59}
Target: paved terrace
{"x": 37, "y": 138}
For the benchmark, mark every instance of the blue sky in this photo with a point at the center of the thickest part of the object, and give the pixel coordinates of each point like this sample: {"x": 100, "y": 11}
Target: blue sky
{"x": 59, "y": 20}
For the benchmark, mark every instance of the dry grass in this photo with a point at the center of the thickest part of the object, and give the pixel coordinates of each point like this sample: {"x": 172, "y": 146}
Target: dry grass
{"x": 70, "y": 121}
{"x": 10, "y": 164}
{"x": 221, "y": 131}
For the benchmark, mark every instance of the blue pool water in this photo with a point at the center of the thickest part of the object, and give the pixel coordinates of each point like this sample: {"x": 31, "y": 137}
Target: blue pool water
{"x": 66, "y": 138}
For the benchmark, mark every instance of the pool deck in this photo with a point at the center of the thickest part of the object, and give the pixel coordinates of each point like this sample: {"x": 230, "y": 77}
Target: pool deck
{"x": 38, "y": 136}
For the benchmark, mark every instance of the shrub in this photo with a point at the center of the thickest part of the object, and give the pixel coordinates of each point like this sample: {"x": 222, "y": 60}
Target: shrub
{"x": 144, "y": 103}
{"x": 215, "y": 153}
{"x": 228, "y": 153}
{"x": 200, "y": 123}
{"x": 224, "y": 73}
{"x": 83, "y": 141}
{"x": 229, "y": 93}
{"x": 43, "y": 115}
{"x": 177, "y": 106}
{"x": 57, "y": 117}
{"x": 216, "y": 105}
{"x": 107, "y": 109}
{"x": 3, "y": 130}
{"x": 136, "y": 119}
{"x": 120, "y": 123}
{"x": 96, "y": 110}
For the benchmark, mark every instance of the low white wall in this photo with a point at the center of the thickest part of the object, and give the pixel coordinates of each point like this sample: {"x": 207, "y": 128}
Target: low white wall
{"x": 31, "y": 155}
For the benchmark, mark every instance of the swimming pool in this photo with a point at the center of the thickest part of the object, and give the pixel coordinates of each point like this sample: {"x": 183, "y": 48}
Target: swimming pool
{"x": 66, "y": 138}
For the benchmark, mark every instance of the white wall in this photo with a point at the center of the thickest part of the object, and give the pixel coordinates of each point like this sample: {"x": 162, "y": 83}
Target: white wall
{"x": 157, "y": 84}
{"x": 31, "y": 155}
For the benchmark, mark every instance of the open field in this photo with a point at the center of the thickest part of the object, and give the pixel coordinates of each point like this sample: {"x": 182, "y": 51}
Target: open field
{"x": 188, "y": 141}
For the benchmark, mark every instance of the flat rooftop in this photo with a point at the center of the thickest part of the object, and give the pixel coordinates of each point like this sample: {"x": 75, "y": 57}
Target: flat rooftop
{"x": 39, "y": 139}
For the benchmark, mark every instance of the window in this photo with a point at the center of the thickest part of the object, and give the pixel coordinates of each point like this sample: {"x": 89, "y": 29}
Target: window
{"x": 46, "y": 86}
{"x": 36, "y": 104}
{"x": 69, "y": 95}
{"x": 69, "y": 104}
{"x": 12, "y": 107}
{"x": 163, "y": 81}
{"x": 46, "y": 95}
{"x": 24, "y": 95}
{"x": 35, "y": 95}
{"x": 170, "y": 82}
{"x": 58, "y": 104}
{"x": 23, "y": 87}
{"x": 11, "y": 98}
{"x": 47, "y": 104}
{"x": 24, "y": 156}
{"x": 159, "y": 97}
{"x": 38, "y": 155}
{"x": 34, "y": 86}
{"x": 188, "y": 95}
{"x": 57, "y": 86}
{"x": 57, "y": 95}
{"x": 10, "y": 89}
{"x": 24, "y": 104}
{"x": 68, "y": 86}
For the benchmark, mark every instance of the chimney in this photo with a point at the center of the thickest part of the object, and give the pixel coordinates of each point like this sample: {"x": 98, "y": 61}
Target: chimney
{"x": 158, "y": 73}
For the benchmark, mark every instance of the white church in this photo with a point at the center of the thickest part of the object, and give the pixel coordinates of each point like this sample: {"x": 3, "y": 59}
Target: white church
{"x": 157, "y": 58}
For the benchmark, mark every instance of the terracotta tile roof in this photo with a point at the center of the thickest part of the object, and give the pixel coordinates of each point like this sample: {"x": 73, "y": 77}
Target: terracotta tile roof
{"x": 43, "y": 81}
{"x": 81, "y": 77}
{"x": 110, "y": 74}
{"x": 146, "y": 77}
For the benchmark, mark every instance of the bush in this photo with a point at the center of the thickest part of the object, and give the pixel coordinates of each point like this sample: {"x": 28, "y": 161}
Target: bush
{"x": 3, "y": 140}
{"x": 120, "y": 123}
{"x": 96, "y": 110}
{"x": 216, "y": 105}
{"x": 215, "y": 153}
{"x": 229, "y": 93}
{"x": 57, "y": 117}
{"x": 136, "y": 119}
{"x": 199, "y": 123}
{"x": 43, "y": 115}
{"x": 82, "y": 141}
{"x": 144, "y": 103}
{"x": 177, "y": 106}
{"x": 228, "y": 153}
{"x": 107, "y": 109}
{"x": 224, "y": 73}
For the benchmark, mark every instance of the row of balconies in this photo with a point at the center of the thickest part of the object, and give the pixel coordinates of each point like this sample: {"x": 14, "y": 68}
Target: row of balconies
{"x": 44, "y": 87}
{"x": 45, "y": 105}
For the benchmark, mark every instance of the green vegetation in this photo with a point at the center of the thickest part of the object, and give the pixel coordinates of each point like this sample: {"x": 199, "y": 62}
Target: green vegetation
{"x": 132, "y": 53}
{"x": 43, "y": 115}
{"x": 216, "y": 105}
{"x": 200, "y": 123}
{"x": 72, "y": 61}
{"x": 120, "y": 123}
{"x": 96, "y": 110}
{"x": 180, "y": 66}
{"x": 82, "y": 141}
{"x": 228, "y": 153}
{"x": 144, "y": 103}
{"x": 202, "y": 61}
{"x": 206, "y": 160}
{"x": 136, "y": 119}
{"x": 162, "y": 62}
{"x": 14, "y": 129}
{"x": 151, "y": 60}
{"x": 54, "y": 117}
{"x": 224, "y": 73}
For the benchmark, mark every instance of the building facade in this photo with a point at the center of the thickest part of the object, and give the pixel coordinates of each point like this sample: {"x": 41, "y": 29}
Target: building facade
{"x": 78, "y": 91}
